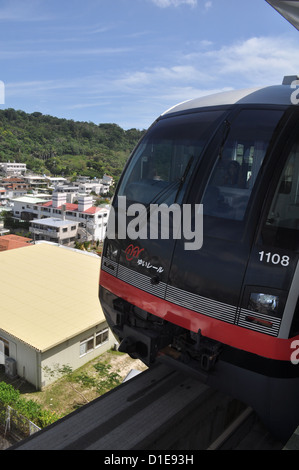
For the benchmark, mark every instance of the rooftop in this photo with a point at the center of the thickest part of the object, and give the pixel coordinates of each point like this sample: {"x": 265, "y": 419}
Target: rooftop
{"x": 74, "y": 207}
{"x": 28, "y": 199}
{"x": 53, "y": 222}
{"x": 48, "y": 294}
{"x": 9, "y": 242}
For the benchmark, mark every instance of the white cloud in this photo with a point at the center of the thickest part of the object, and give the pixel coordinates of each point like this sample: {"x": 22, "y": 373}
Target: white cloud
{"x": 142, "y": 94}
{"x": 208, "y": 5}
{"x": 254, "y": 61}
{"x": 175, "y": 3}
{"x": 262, "y": 59}
{"x": 21, "y": 11}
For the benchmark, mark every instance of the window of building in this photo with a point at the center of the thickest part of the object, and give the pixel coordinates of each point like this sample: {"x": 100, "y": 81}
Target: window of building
{"x": 86, "y": 346}
{"x": 98, "y": 339}
{"x": 102, "y": 337}
{"x": 6, "y": 346}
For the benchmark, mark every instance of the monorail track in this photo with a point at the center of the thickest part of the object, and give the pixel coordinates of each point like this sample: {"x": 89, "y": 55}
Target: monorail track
{"x": 246, "y": 432}
{"x": 160, "y": 409}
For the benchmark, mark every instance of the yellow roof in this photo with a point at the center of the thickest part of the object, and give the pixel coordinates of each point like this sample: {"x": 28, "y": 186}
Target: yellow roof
{"x": 48, "y": 294}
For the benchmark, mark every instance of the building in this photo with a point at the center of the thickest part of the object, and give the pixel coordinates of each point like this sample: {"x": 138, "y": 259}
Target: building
{"x": 71, "y": 191}
{"x": 50, "y": 311}
{"x": 92, "y": 220}
{"x": 54, "y": 230}
{"x": 9, "y": 168}
{"x": 108, "y": 180}
{"x": 18, "y": 186}
{"x": 27, "y": 207}
{"x": 37, "y": 183}
{"x": 96, "y": 187}
{"x": 10, "y": 242}
{"x": 55, "y": 180}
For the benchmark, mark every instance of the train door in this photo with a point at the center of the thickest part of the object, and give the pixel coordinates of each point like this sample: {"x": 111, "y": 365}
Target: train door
{"x": 270, "y": 289}
{"x": 209, "y": 280}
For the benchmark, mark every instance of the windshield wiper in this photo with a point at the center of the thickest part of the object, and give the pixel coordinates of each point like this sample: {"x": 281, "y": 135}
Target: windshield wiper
{"x": 180, "y": 181}
{"x": 184, "y": 176}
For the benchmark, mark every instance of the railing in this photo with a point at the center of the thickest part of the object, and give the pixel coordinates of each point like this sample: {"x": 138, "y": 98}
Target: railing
{"x": 42, "y": 231}
{"x": 14, "y": 424}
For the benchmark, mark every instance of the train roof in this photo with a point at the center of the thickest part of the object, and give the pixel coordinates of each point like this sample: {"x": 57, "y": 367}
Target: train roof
{"x": 275, "y": 95}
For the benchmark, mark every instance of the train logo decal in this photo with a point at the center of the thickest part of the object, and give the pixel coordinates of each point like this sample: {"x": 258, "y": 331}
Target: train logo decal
{"x": 133, "y": 252}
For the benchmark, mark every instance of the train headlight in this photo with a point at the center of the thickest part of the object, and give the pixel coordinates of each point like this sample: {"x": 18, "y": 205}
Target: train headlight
{"x": 263, "y": 303}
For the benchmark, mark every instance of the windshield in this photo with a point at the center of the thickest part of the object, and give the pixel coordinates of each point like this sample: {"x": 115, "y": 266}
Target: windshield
{"x": 233, "y": 178}
{"x": 166, "y": 156}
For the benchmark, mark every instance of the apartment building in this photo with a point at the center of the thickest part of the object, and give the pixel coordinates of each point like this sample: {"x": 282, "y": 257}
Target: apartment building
{"x": 9, "y": 168}
{"x": 27, "y": 207}
{"x": 92, "y": 221}
{"x": 54, "y": 230}
{"x": 37, "y": 183}
{"x": 17, "y": 184}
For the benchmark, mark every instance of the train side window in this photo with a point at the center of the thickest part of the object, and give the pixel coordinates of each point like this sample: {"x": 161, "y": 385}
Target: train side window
{"x": 282, "y": 224}
{"x": 236, "y": 170}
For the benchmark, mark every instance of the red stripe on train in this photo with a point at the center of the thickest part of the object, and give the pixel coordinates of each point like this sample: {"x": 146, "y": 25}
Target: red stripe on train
{"x": 232, "y": 335}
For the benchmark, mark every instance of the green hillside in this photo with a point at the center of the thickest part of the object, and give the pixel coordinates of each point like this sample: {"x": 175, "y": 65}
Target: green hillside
{"x": 56, "y": 146}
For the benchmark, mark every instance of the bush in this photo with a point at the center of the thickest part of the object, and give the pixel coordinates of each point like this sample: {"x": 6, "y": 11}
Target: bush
{"x": 8, "y": 395}
{"x": 32, "y": 410}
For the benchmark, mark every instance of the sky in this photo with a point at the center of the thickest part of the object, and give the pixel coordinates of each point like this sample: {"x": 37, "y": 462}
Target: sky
{"x": 127, "y": 61}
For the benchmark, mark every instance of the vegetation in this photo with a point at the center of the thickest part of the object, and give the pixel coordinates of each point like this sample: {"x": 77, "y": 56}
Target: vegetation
{"x": 56, "y": 146}
{"x": 73, "y": 389}
{"x": 32, "y": 410}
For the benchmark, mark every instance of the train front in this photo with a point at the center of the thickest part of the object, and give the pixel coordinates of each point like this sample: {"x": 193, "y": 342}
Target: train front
{"x": 148, "y": 217}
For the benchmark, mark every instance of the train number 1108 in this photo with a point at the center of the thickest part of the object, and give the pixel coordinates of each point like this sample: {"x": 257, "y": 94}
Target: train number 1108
{"x": 274, "y": 258}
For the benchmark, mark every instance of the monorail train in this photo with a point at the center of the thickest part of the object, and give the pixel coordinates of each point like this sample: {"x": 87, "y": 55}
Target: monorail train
{"x": 225, "y": 307}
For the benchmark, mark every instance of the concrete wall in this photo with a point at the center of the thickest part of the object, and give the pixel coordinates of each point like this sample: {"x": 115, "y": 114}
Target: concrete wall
{"x": 27, "y": 359}
{"x": 68, "y": 353}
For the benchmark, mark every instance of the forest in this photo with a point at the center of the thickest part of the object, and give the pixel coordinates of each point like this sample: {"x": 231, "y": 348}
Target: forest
{"x": 63, "y": 147}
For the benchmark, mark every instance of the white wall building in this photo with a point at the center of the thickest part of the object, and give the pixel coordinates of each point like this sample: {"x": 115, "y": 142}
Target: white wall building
{"x": 54, "y": 230}
{"x": 95, "y": 186}
{"x": 51, "y": 313}
{"x": 13, "y": 168}
{"x": 92, "y": 221}
{"x": 27, "y": 207}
